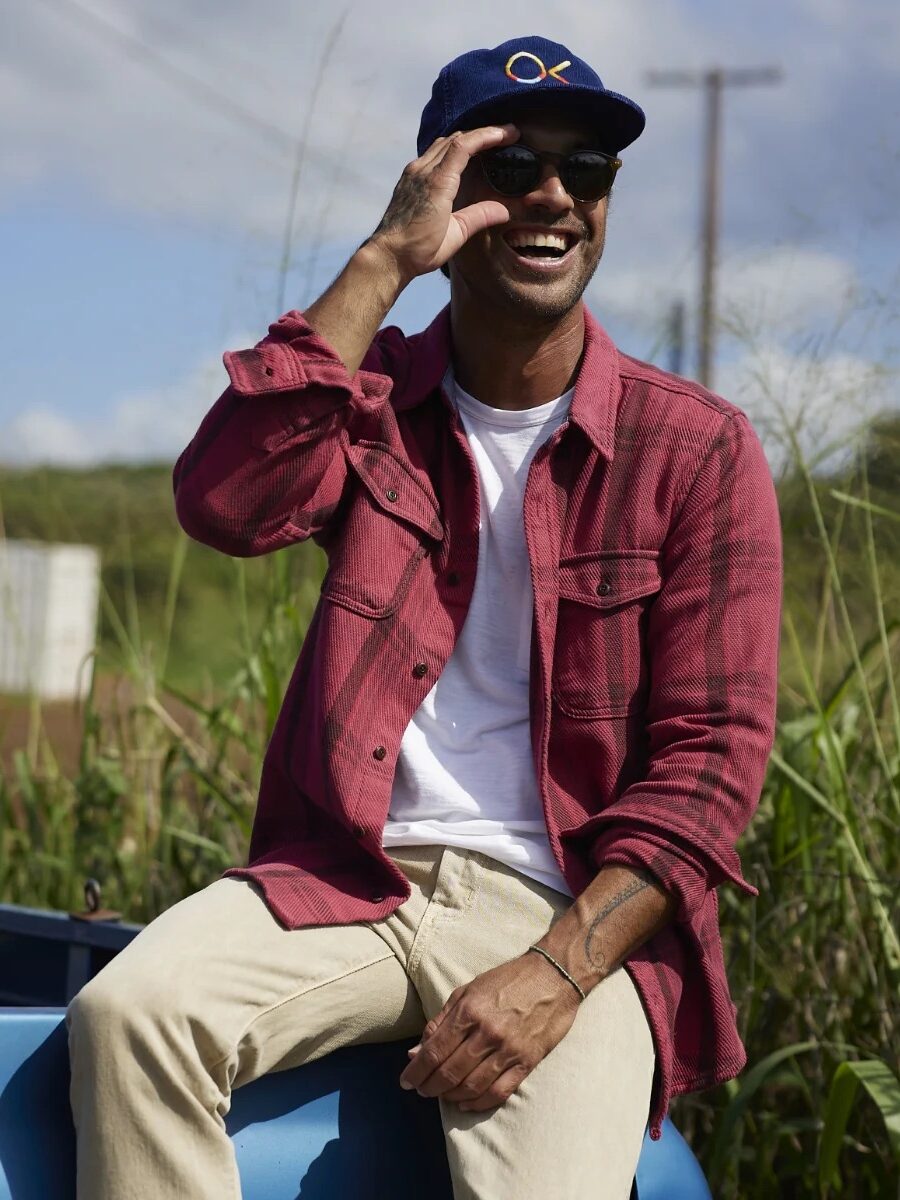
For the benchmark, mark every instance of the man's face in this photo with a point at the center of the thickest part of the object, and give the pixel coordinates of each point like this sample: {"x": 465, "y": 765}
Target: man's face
{"x": 489, "y": 267}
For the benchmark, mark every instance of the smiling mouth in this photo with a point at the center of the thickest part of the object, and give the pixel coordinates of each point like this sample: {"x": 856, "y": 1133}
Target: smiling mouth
{"x": 546, "y": 249}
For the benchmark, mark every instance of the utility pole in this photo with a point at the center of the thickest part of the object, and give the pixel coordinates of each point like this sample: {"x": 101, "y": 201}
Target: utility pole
{"x": 712, "y": 82}
{"x": 677, "y": 322}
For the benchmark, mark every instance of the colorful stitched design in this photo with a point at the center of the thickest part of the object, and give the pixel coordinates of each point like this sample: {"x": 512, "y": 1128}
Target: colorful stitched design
{"x": 544, "y": 71}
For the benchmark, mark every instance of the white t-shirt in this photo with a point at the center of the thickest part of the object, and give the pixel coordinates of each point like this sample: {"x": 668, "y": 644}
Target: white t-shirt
{"x": 465, "y": 774}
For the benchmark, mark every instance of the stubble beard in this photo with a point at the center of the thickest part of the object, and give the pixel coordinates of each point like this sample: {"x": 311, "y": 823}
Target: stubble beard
{"x": 535, "y": 304}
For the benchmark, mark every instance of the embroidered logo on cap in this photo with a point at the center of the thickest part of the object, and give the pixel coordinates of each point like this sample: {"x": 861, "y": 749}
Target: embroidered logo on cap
{"x": 544, "y": 71}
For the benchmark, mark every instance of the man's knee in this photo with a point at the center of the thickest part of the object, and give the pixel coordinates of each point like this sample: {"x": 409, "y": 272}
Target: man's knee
{"x": 116, "y": 1003}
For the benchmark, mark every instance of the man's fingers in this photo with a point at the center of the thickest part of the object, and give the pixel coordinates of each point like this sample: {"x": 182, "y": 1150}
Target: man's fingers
{"x": 432, "y": 1052}
{"x": 436, "y": 152}
{"x": 472, "y": 140}
{"x": 458, "y": 1067}
{"x": 479, "y": 1079}
{"x": 426, "y": 163}
{"x": 498, "y": 1092}
{"x": 431, "y": 1028}
{"x": 437, "y": 148}
{"x": 453, "y": 152}
{"x": 461, "y": 147}
{"x": 475, "y": 217}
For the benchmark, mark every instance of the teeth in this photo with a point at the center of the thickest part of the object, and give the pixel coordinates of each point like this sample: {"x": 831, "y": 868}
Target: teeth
{"x": 555, "y": 241}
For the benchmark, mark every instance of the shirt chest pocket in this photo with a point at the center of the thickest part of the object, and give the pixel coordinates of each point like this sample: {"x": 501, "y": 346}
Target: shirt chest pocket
{"x": 391, "y": 525}
{"x": 600, "y": 666}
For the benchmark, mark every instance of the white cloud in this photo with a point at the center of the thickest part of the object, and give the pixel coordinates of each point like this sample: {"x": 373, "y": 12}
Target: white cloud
{"x": 791, "y": 330}
{"x": 135, "y": 120}
{"x": 130, "y": 123}
{"x": 43, "y": 434}
{"x": 191, "y": 117}
{"x": 819, "y": 404}
{"x": 825, "y": 401}
{"x": 873, "y": 27}
{"x": 760, "y": 290}
{"x": 784, "y": 286}
{"x": 148, "y": 424}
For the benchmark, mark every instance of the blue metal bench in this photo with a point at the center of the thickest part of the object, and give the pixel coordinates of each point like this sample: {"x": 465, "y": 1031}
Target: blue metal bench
{"x": 311, "y": 1133}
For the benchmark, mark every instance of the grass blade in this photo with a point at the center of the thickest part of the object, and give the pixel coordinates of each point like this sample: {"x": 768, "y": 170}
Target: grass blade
{"x": 723, "y": 1139}
{"x": 883, "y": 1088}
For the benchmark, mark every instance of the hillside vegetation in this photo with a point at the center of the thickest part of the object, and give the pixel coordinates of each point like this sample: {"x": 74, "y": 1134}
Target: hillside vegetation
{"x": 128, "y": 513}
{"x": 215, "y": 603}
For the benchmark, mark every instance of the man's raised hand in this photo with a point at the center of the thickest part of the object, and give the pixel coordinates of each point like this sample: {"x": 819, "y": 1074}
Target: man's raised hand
{"x": 420, "y": 231}
{"x": 417, "y": 234}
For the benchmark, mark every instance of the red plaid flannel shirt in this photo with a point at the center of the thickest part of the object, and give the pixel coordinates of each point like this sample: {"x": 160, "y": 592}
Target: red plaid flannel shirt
{"x": 653, "y": 534}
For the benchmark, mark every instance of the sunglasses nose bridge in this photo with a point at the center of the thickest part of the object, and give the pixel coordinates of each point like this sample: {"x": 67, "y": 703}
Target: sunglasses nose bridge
{"x": 550, "y": 186}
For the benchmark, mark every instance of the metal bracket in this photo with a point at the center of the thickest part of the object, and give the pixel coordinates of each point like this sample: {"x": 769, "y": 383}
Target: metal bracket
{"x": 93, "y": 911}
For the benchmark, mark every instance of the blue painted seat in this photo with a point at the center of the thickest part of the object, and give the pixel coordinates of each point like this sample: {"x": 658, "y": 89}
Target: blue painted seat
{"x": 312, "y": 1133}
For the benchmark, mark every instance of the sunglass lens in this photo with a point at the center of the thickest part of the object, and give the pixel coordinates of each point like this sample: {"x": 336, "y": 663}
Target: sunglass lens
{"x": 512, "y": 170}
{"x": 587, "y": 176}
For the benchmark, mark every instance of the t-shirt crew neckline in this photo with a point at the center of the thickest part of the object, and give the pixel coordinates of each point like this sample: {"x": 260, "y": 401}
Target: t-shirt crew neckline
{"x": 508, "y": 418}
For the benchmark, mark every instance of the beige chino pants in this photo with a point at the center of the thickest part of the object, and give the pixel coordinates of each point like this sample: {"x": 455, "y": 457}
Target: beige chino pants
{"x": 215, "y": 992}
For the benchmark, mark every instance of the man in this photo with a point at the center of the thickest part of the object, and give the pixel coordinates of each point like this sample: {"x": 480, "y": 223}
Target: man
{"x": 532, "y": 711}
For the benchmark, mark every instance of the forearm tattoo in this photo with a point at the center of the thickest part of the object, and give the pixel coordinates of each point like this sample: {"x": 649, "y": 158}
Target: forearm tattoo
{"x": 594, "y": 954}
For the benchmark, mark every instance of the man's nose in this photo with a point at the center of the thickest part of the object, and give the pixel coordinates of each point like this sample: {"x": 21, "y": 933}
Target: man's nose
{"x": 550, "y": 193}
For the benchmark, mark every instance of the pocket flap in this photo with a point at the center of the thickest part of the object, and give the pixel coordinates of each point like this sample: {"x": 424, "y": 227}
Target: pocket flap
{"x": 394, "y": 488}
{"x": 607, "y": 578}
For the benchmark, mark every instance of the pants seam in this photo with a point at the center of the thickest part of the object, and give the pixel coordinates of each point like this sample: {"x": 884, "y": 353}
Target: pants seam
{"x": 294, "y": 996}
{"x": 427, "y": 924}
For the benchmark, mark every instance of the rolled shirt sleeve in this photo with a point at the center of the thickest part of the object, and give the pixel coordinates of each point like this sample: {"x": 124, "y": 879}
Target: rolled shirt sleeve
{"x": 267, "y": 466}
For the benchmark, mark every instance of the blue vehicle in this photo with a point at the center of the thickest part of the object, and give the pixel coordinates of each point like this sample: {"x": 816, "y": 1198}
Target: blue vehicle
{"x": 311, "y": 1133}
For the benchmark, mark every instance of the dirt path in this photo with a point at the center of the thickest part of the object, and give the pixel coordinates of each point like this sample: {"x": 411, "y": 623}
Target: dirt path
{"x": 61, "y": 722}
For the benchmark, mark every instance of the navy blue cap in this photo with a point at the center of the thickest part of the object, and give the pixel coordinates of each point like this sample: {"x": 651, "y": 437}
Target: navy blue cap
{"x": 526, "y": 67}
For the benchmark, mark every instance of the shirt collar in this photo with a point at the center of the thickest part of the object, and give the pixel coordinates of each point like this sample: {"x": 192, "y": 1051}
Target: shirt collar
{"x": 595, "y": 403}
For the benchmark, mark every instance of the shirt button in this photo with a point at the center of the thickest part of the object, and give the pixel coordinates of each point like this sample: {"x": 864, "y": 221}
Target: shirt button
{"x": 359, "y": 831}
{"x": 420, "y": 670}
{"x": 379, "y": 753}
{"x": 391, "y": 494}
{"x": 453, "y": 578}
{"x": 603, "y": 589}
{"x": 377, "y": 899}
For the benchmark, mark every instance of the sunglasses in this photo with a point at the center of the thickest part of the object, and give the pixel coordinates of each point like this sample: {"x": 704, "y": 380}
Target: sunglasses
{"x": 587, "y": 175}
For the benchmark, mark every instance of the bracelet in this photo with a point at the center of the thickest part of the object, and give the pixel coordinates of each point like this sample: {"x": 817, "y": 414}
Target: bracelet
{"x": 549, "y": 957}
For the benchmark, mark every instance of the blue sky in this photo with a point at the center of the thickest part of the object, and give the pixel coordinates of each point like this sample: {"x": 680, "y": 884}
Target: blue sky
{"x": 147, "y": 151}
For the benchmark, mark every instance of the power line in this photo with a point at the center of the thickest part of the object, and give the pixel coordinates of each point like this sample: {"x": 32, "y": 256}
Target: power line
{"x": 193, "y": 85}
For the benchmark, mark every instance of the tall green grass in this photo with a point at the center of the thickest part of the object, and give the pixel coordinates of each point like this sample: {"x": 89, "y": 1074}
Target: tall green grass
{"x": 815, "y": 961}
{"x": 163, "y": 795}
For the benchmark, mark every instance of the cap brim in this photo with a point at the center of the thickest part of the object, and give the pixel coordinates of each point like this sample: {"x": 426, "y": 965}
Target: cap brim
{"x": 619, "y": 120}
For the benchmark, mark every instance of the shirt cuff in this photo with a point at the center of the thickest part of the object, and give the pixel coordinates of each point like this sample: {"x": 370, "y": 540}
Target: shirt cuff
{"x": 684, "y": 875}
